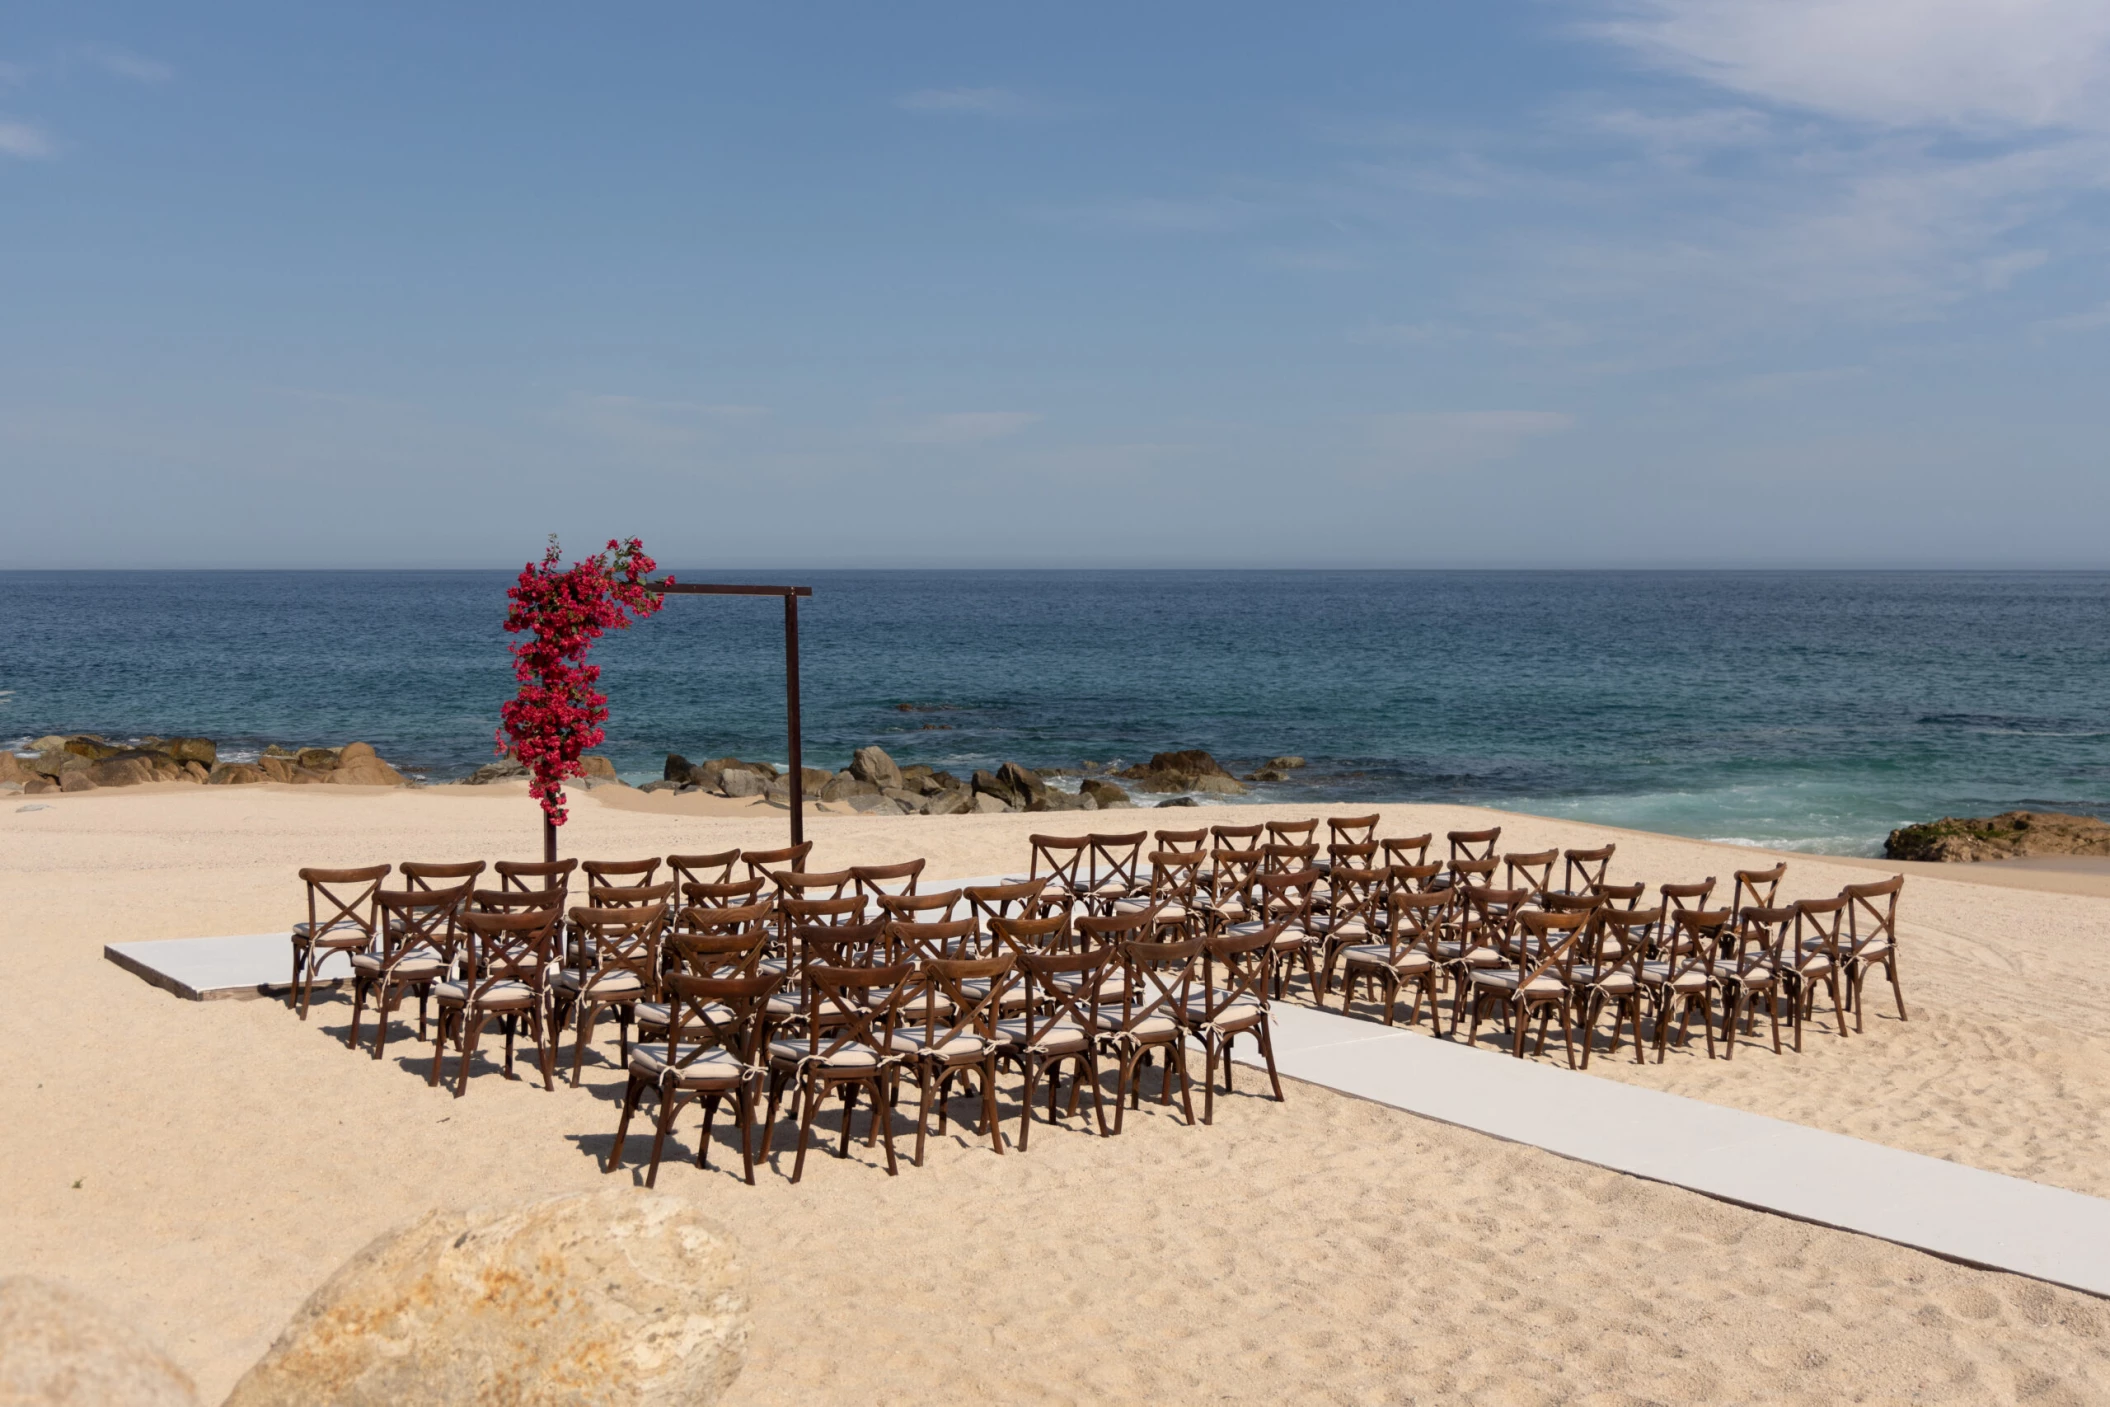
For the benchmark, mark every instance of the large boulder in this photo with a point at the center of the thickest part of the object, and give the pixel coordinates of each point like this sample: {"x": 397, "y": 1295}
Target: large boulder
{"x": 13, "y": 770}
{"x": 1102, "y": 791}
{"x": 986, "y": 783}
{"x": 948, "y": 803}
{"x": 708, "y": 774}
{"x": 90, "y": 746}
{"x": 871, "y": 764}
{"x": 77, "y": 780}
{"x": 61, "y": 1349}
{"x": 122, "y": 770}
{"x": 812, "y": 782}
{"x": 353, "y": 753}
{"x": 598, "y": 768}
{"x": 677, "y": 768}
{"x": 506, "y": 769}
{"x": 317, "y": 759}
{"x": 1183, "y": 771}
{"x": 234, "y": 774}
{"x": 619, "y": 1296}
{"x": 989, "y": 805}
{"x": 50, "y": 742}
{"x": 739, "y": 781}
{"x": 55, "y": 763}
{"x": 369, "y": 771}
{"x": 203, "y": 751}
{"x": 2008, "y": 836}
{"x": 1028, "y": 791}
{"x": 279, "y": 769}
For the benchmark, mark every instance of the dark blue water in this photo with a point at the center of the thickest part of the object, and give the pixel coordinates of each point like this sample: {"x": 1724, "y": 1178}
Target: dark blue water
{"x": 1815, "y": 710}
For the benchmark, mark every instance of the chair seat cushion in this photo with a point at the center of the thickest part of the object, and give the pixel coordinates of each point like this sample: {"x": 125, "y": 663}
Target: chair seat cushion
{"x": 1236, "y": 1015}
{"x": 1607, "y": 978}
{"x": 967, "y": 1045}
{"x": 615, "y": 982}
{"x": 714, "y": 1068}
{"x": 1657, "y": 974}
{"x": 1381, "y": 955}
{"x": 1059, "y": 1038}
{"x": 1151, "y": 1028}
{"x": 1508, "y": 979}
{"x": 341, "y": 934}
{"x": 492, "y": 994}
{"x": 1471, "y": 954}
{"x": 421, "y": 965}
{"x": 852, "y": 1056}
{"x": 657, "y": 1014}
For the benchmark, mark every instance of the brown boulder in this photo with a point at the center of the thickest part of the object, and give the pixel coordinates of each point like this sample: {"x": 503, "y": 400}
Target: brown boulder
{"x": 2008, "y": 836}
{"x": 317, "y": 759}
{"x": 871, "y": 764}
{"x": 90, "y": 746}
{"x": 125, "y": 770}
{"x": 369, "y": 772}
{"x": 77, "y": 780}
{"x": 60, "y": 1349}
{"x": 234, "y": 774}
{"x": 1102, "y": 791}
{"x": 13, "y": 770}
{"x": 352, "y": 753}
{"x": 1027, "y": 789}
{"x": 202, "y": 751}
{"x": 619, "y": 1296}
{"x": 598, "y": 768}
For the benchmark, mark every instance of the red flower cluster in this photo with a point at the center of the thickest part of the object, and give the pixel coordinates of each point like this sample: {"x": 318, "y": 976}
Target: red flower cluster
{"x": 558, "y": 712}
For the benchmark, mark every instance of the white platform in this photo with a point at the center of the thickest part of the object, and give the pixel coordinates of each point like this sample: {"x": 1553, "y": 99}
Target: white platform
{"x": 1963, "y": 1214}
{"x": 211, "y": 969}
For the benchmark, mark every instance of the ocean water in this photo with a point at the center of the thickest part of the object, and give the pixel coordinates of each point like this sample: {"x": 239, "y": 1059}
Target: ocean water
{"x": 1801, "y": 709}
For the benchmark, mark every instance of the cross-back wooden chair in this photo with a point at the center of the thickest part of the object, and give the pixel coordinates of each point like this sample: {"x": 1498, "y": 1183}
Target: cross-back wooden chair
{"x": 714, "y": 1036}
{"x": 875, "y": 880}
{"x": 1289, "y": 859}
{"x": 1352, "y": 830}
{"x": 344, "y": 916}
{"x": 1114, "y": 869}
{"x": 848, "y": 1047}
{"x": 504, "y": 973}
{"x": 511, "y": 901}
{"x": 1404, "y": 954}
{"x": 1355, "y": 855}
{"x": 1352, "y": 911}
{"x": 1112, "y": 932}
{"x": 1871, "y": 939}
{"x": 1283, "y": 903}
{"x": 1232, "y": 1002}
{"x": 1404, "y": 850}
{"x": 1757, "y": 889}
{"x": 759, "y": 863}
{"x": 536, "y": 876}
{"x": 1583, "y": 871}
{"x": 708, "y": 943}
{"x": 1419, "y": 879}
{"x": 1021, "y": 937}
{"x": 1175, "y": 877}
{"x": 1465, "y": 874}
{"x": 938, "y": 907}
{"x": 1232, "y": 876}
{"x": 1240, "y": 838}
{"x": 579, "y": 952}
{"x": 1059, "y": 860}
{"x": 1532, "y": 870}
{"x": 1028, "y": 898}
{"x": 1623, "y": 896}
{"x": 1058, "y": 1021}
{"x": 1749, "y": 976}
{"x": 418, "y": 874}
{"x": 1541, "y": 985}
{"x": 1608, "y": 974}
{"x": 1192, "y": 842}
{"x": 1681, "y": 981}
{"x": 956, "y": 938}
{"x": 420, "y": 933}
{"x": 1152, "y": 1018}
{"x": 621, "y": 874}
{"x": 799, "y": 884}
{"x": 1294, "y": 833}
{"x": 950, "y": 1031}
{"x": 1818, "y": 952}
{"x": 621, "y": 969}
{"x": 712, "y": 918}
{"x": 1480, "y": 937}
{"x": 1686, "y": 896}
{"x": 1473, "y": 845}
{"x": 727, "y": 894}
{"x": 703, "y": 869}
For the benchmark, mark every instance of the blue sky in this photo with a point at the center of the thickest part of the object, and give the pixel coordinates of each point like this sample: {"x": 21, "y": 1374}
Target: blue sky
{"x": 1594, "y": 282}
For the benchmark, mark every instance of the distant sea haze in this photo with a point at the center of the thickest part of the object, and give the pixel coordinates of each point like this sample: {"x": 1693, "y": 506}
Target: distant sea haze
{"x": 1811, "y": 710}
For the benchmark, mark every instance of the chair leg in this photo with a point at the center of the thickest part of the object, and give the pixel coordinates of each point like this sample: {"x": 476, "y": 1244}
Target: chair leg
{"x": 589, "y": 1017}
{"x": 622, "y": 1125}
{"x": 545, "y": 1050}
{"x": 471, "y": 1029}
{"x": 1025, "y": 1103}
{"x": 744, "y": 1107}
{"x": 1209, "y": 1078}
{"x": 1890, "y": 970}
{"x": 923, "y": 1081}
{"x": 989, "y": 1119}
{"x": 703, "y": 1144}
{"x": 439, "y": 1049}
{"x": 886, "y": 1129}
{"x": 1179, "y": 1057}
{"x": 809, "y": 1098}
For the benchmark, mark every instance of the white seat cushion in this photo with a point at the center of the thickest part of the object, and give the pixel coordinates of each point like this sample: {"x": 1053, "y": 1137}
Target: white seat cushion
{"x": 1508, "y": 980}
{"x": 850, "y": 1057}
{"x": 1061, "y": 1037}
{"x": 1150, "y": 1028}
{"x": 1373, "y": 955}
{"x": 504, "y": 993}
{"x": 1239, "y": 1014}
{"x": 965, "y": 1046}
{"x": 717, "y": 1067}
{"x": 616, "y": 982}
{"x": 421, "y": 965}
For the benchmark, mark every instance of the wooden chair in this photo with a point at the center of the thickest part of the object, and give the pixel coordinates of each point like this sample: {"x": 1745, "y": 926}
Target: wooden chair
{"x": 1405, "y": 955}
{"x": 622, "y": 969}
{"x": 1479, "y": 937}
{"x": 848, "y": 1046}
{"x": 703, "y": 869}
{"x": 1608, "y": 974}
{"x": 872, "y": 880}
{"x": 1289, "y": 859}
{"x": 1352, "y": 830}
{"x": 1353, "y": 912}
{"x": 715, "y": 1031}
{"x": 950, "y": 1030}
{"x": 1818, "y": 954}
{"x": 536, "y": 876}
{"x": 1232, "y": 877}
{"x": 939, "y": 907}
{"x": 1059, "y": 860}
{"x": 1750, "y": 973}
{"x": 1583, "y": 871}
{"x": 727, "y": 894}
{"x": 1115, "y": 868}
{"x": 1622, "y": 896}
{"x": 1194, "y": 842}
{"x": 798, "y": 884}
{"x": 1686, "y": 896}
{"x": 1245, "y": 839}
{"x": 1681, "y": 981}
{"x": 419, "y": 933}
{"x": 1232, "y": 1005}
{"x": 1537, "y": 986}
{"x": 1111, "y": 932}
{"x": 1294, "y": 833}
{"x": 1757, "y": 889}
{"x": 1152, "y": 1018}
{"x": 1026, "y": 899}
{"x": 1058, "y": 1023}
{"x": 1473, "y": 845}
{"x": 1283, "y": 903}
{"x": 1533, "y": 871}
{"x": 421, "y": 875}
{"x": 1871, "y": 939}
{"x": 620, "y": 874}
{"x": 1021, "y": 937}
{"x": 344, "y": 916}
{"x": 505, "y": 970}
{"x": 708, "y": 943}
{"x": 790, "y": 857}
{"x": 1175, "y": 876}
{"x": 1465, "y": 874}
{"x": 1402, "y": 851}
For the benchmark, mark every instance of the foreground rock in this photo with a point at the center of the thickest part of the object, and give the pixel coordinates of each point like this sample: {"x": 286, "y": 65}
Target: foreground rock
{"x": 2010, "y": 835}
{"x": 60, "y": 1349}
{"x": 84, "y": 762}
{"x": 621, "y": 1296}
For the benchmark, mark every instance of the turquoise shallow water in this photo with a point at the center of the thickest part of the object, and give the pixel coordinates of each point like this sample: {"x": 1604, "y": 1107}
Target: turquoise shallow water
{"x": 1809, "y": 710}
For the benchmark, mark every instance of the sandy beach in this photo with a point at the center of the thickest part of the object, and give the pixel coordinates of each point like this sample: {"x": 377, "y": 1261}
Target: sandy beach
{"x": 202, "y": 1166}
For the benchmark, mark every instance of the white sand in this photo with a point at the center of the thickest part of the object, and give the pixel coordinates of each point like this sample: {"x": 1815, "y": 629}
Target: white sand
{"x": 227, "y": 1156}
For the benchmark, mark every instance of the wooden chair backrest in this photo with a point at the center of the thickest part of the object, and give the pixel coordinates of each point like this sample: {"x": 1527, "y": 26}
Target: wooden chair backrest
{"x": 1686, "y": 896}
{"x": 1623, "y": 895}
{"x": 1533, "y": 871}
{"x": 635, "y": 896}
{"x": 946, "y": 979}
{"x": 1287, "y": 859}
{"x": 1116, "y": 860}
{"x": 1473, "y": 845}
{"x": 874, "y": 879}
{"x": 620, "y": 874}
{"x": 919, "y": 908}
{"x": 729, "y": 894}
{"x": 627, "y": 938}
{"x": 1872, "y": 913}
{"x": 507, "y": 947}
{"x": 1555, "y": 939}
{"x": 799, "y": 884}
{"x": 1757, "y": 889}
{"x": 731, "y": 954}
{"x": 790, "y": 857}
{"x": 1175, "y": 875}
{"x": 1194, "y": 841}
{"x": 1022, "y": 937}
{"x": 1237, "y": 969}
{"x": 1112, "y": 930}
{"x": 703, "y": 869}
{"x": 344, "y": 898}
{"x": 421, "y": 918}
{"x": 1028, "y": 897}
{"x": 920, "y": 942}
{"x": 1063, "y": 986}
{"x": 536, "y": 876}
{"x": 1294, "y": 833}
{"x": 1160, "y": 980}
{"x": 1240, "y": 838}
{"x": 1059, "y": 860}
{"x": 1585, "y": 869}
{"x": 1352, "y": 830}
{"x": 718, "y": 1013}
{"x": 420, "y": 875}
{"x": 1406, "y": 850}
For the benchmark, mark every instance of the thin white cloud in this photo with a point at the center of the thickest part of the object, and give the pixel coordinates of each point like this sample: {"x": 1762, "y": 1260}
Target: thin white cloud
{"x": 967, "y": 427}
{"x": 976, "y": 102}
{"x": 27, "y": 141}
{"x": 125, "y": 64}
{"x": 1966, "y": 64}
{"x": 644, "y": 423}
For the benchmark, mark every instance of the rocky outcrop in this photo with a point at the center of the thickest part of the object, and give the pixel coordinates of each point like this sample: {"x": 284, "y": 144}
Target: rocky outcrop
{"x": 234, "y": 774}
{"x": 871, "y": 764}
{"x": 2008, "y": 836}
{"x": 1188, "y": 770}
{"x": 61, "y": 1349}
{"x": 596, "y": 768}
{"x": 1106, "y": 793}
{"x": 83, "y": 761}
{"x": 620, "y": 1296}
{"x": 506, "y": 769}
{"x": 739, "y": 782}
